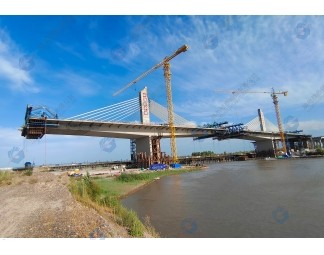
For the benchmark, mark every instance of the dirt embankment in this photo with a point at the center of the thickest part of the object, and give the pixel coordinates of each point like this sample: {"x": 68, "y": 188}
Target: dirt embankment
{"x": 42, "y": 206}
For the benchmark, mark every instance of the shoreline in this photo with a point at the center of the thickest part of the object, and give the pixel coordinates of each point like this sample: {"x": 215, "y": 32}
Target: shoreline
{"x": 128, "y": 185}
{"x": 141, "y": 186}
{"x": 111, "y": 190}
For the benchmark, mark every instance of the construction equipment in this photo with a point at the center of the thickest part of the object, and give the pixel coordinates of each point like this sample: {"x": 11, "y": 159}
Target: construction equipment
{"x": 167, "y": 76}
{"x": 75, "y": 173}
{"x": 276, "y": 104}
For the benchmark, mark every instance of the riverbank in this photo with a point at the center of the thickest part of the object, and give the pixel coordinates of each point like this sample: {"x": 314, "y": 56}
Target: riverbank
{"x": 40, "y": 205}
{"x": 101, "y": 193}
{"x": 128, "y": 183}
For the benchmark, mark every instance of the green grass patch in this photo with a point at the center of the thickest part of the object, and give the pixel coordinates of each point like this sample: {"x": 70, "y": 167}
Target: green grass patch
{"x": 114, "y": 187}
{"x": 87, "y": 189}
{"x": 126, "y": 183}
{"x": 148, "y": 176}
{"x": 108, "y": 191}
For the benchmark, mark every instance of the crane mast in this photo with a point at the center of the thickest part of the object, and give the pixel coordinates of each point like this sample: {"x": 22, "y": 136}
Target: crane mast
{"x": 167, "y": 76}
{"x": 277, "y": 110}
{"x": 281, "y": 131}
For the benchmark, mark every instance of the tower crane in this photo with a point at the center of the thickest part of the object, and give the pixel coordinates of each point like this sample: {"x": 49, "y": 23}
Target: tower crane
{"x": 274, "y": 96}
{"x": 167, "y": 76}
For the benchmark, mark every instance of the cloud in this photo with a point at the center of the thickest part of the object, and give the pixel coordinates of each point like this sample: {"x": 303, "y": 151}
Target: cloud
{"x": 82, "y": 84}
{"x": 222, "y": 55}
{"x": 312, "y": 126}
{"x": 120, "y": 54}
{"x": 11, "y": 73}
{"x": 69, "y": 49}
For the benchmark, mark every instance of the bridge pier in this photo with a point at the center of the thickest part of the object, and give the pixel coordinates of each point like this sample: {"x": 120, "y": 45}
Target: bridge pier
{"x": 151, "y": 147}
{"x": 144, "y": 145}
{"x": 265, "y": 148}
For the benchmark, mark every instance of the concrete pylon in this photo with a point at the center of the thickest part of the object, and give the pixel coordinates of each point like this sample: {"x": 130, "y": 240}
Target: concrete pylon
{"x": 148, "y": 145}
{"x": 144, "y": 104}
{"x": 262, "y": 121}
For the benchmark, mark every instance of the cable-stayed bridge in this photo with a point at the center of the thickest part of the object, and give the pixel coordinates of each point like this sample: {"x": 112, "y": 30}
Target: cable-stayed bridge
{"x": 131, "y": 119}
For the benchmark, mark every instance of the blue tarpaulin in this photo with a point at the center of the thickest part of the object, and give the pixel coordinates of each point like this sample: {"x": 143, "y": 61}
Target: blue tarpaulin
{"x": 158, "y": 166}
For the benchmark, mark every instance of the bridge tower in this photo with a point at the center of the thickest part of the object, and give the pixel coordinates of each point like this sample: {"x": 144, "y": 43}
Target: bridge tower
{"x": 148, "y": 145}
{"x": 261, "y": 119}
{"x": 144, "y": 106}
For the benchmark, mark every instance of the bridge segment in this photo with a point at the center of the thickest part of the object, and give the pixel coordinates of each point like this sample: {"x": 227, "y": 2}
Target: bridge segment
{"x": 145, "y": 136}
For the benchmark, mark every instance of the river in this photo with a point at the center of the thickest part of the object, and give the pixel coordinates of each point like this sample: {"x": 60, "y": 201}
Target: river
{"x": 257, "y": 198}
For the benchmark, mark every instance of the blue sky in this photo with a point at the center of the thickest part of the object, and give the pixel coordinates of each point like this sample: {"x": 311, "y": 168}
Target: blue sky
{"x": 73, "y": 64}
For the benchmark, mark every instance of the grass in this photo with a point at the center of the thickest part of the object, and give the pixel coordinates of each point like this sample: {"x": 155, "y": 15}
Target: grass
{"x": 28, "y": 172}
{"x": 106, "y": 192}
{"x": 32, "y": 181}
{"x": 126, "y": 183}
{"x": 6, "y": 177}
{"x": 149, "y": 176}
{"x": 89, "y": 192}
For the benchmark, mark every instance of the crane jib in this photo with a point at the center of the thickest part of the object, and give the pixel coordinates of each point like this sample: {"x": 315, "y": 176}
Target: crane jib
{"x": 165, "y": 60}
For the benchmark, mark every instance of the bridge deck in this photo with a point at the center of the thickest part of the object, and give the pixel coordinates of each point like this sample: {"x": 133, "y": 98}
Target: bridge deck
{"x": 35, "y": 128}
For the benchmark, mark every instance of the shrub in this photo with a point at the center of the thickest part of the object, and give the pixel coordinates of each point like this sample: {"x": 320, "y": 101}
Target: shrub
{"x": 86, "y": 188}
{"x": 133, "y": 177}
{"x": 5, "y": 177}
{"x": 28, "y": 171}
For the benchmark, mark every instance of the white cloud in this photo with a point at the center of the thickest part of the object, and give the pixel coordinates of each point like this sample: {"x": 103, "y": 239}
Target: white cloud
{"x": 314, "y": 127}
{"x": 69, "y": 49}
{"x": 82, "y": 84}
{"x": 223, "y": 54}
{"x": 264, "y": 45}
{"x": 124, "y": 53}
{"x": 11, "y": 60}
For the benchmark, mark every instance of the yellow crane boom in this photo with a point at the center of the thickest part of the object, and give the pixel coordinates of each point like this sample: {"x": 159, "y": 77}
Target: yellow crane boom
{"x": 167, "y": 76}
{"x": 277, "y": 109}
{"x": 167, "y": 59}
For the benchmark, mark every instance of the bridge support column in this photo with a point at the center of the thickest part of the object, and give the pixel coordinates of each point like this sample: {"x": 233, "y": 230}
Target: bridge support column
{"x": 156, "y": 149}
{"x": 265, "y": 148}
{"x": 144, "y": 145}
{"x": 151, "y": 147}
